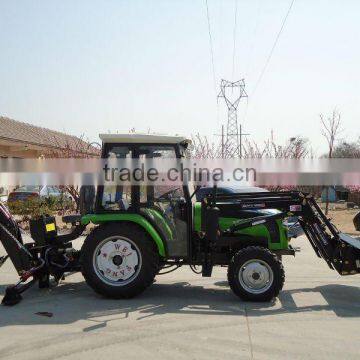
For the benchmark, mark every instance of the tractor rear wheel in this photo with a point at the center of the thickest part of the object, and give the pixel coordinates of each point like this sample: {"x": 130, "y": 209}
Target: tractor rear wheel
{"x": 119, "y": 260}
{"x": 256, "y": 274}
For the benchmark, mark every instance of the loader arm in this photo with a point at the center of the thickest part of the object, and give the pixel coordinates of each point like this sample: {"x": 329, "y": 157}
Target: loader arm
{"x": 340, "y": 251}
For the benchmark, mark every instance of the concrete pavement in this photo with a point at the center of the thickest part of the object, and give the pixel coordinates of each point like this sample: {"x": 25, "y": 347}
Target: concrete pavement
{"x": 185, "y": 316}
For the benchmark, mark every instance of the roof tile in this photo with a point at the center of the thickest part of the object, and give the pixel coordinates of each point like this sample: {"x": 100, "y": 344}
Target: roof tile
{"x": 28, "y": 133}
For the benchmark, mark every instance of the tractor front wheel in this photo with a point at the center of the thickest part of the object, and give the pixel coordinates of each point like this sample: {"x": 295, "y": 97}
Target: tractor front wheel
{"x": 256, "y": 274}
{"x": 119, "y": 260}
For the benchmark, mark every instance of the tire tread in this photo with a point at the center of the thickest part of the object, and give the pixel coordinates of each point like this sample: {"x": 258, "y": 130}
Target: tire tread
{"x": 253, "y": 252}
{"x": 149, "y": 254}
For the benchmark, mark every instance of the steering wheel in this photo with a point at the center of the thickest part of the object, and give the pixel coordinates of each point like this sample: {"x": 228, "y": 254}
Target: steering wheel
{"x": 167, "y": 195}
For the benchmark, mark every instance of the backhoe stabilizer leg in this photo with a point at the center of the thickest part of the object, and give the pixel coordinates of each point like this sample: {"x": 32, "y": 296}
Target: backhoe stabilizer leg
{"x": 13, "y": 293}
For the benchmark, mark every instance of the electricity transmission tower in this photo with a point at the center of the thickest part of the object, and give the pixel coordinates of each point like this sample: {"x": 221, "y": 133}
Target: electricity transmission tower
{"x": 233, "y": 92}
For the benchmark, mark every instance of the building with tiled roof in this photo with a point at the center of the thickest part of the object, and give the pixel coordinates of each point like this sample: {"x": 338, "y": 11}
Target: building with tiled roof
{"x": 22, "y": 140}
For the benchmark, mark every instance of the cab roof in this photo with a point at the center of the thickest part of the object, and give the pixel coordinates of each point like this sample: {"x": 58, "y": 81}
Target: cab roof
{"x": 143, "y": 139}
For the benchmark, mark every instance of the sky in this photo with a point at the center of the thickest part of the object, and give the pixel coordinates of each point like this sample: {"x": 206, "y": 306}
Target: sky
{"x": 88, "y": 67}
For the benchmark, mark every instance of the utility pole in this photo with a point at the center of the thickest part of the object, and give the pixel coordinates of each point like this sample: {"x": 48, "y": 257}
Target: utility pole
{"x": 222, "y": 141}
{"x": 241, "y": 134}
{"x": 232, "y": 100}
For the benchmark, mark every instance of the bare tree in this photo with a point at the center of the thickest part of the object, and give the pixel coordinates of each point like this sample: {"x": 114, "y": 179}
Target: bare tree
{"x": 71, "y": 147}
{"x": 330, "y": 130}
{"x": 202, "y": 148}
{"x": 296, "y": 148}
{"x": 347, "y": 149}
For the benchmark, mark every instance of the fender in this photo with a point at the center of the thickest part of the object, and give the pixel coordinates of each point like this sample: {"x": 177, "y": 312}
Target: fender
{"x": 135, "y": 218}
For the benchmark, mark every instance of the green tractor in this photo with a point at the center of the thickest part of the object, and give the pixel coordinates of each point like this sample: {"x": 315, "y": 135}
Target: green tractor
{"x": 145, "y": 230}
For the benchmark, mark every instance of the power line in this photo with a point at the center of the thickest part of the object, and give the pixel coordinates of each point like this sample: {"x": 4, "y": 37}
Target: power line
{"x": 211, "y": 45}
{"x": 273, "y": 47}
{"x": 252, "y": 43}
{"x": 234, "y": 38}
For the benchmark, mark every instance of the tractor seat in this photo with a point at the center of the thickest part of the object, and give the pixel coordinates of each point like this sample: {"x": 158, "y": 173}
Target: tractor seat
{"x": 71, "y": 219}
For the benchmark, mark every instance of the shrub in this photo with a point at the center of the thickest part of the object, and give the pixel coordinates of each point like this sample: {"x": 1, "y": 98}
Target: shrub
{"x": 34, "y": 208}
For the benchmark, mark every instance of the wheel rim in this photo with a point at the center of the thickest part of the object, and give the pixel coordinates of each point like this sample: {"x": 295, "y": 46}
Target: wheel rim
{"x": 117, "y": 261}
{"x": 256, "y": 276}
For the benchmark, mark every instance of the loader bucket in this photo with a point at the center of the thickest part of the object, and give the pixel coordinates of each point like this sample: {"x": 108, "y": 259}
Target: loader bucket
{"x": 356, "y": 221}
{"x": 354, "y": 242}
